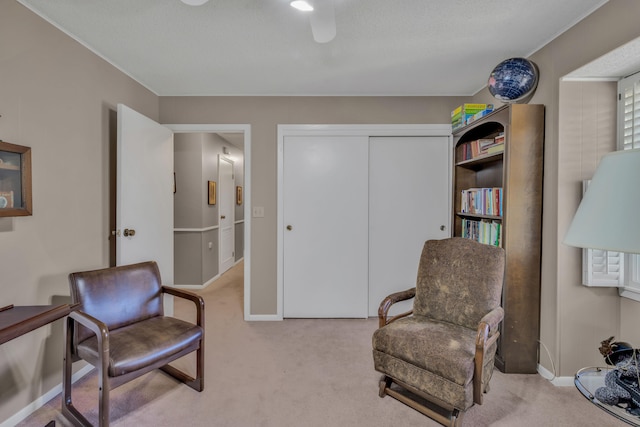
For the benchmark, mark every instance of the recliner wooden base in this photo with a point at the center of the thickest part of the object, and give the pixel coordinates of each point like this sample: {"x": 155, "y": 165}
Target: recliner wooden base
{"x": 451, "y": 418}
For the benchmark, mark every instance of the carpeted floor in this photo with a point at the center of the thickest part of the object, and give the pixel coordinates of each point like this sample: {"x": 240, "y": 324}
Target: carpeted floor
{"x": 299, "y": 373}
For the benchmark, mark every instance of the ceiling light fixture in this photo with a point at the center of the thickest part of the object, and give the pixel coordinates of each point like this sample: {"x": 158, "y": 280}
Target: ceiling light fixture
{"x": 300, "y": 5}
{"x": 194, "y": 2}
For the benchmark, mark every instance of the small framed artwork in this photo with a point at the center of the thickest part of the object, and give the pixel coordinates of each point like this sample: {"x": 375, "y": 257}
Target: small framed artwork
{"x": 212, "y": 192}
{"x": 238, "y": 195}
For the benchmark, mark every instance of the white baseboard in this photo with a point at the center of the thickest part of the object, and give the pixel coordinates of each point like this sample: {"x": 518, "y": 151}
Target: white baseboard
{"x": 39, "y": 402}
{"x": 556, "y": 381}
{"x": 261, "y": 318}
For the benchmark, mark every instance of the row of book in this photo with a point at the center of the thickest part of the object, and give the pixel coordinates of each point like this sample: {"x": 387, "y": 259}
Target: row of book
{"x": 482, "y": 201}
{"x": 467, "y": 113}
{"x": 482, "y": 147}
{"x": 487, "y": 232}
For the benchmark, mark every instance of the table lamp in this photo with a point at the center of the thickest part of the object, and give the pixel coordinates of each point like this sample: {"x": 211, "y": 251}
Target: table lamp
{"x": 608, "y": 217}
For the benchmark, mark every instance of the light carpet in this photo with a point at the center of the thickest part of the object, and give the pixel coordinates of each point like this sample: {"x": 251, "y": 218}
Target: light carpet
{"x": 299, "y": 373}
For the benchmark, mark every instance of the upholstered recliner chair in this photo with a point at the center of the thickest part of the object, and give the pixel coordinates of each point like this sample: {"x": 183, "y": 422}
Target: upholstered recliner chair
{"x": 443, "y": 350}
{"x": 120, "y": 328}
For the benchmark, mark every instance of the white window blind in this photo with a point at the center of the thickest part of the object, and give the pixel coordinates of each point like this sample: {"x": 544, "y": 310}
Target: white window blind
{"x": 629, "y": 113}
{"x": 628, "y": 138}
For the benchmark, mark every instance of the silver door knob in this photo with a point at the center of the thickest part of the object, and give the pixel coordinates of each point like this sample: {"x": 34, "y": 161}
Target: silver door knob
{"x": 289, "y": 227}
{"x": 129, "y": 232}
{"x": 222, "y": 217}
{"x": 442, "y": 227}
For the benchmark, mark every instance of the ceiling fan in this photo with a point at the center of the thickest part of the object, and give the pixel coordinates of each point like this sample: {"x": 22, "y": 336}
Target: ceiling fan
{"x": 322, "y": 16}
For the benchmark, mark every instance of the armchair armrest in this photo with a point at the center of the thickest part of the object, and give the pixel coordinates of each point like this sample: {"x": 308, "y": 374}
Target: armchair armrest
{"x": 487, "y": 335}
{"x": 191, "y": 296}
{"x": 386, "y": 304}
{"x": 101, "y": 331}
{"x": 94, "y": 325}
{"x": 492, "y": 319}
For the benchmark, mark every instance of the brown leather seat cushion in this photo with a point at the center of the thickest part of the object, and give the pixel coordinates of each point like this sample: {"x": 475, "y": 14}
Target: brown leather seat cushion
{"x": 143, "y": 343}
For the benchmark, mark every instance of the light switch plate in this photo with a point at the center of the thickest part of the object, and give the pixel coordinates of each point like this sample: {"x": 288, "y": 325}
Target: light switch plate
{"x": 258, "y": 211}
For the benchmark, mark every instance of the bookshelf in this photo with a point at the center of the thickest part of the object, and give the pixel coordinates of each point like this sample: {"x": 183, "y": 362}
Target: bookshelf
{"x": 516, "y": 169}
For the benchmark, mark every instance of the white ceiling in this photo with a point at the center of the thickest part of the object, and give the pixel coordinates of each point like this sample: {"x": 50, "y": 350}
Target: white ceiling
{"x": 265, "y": 47}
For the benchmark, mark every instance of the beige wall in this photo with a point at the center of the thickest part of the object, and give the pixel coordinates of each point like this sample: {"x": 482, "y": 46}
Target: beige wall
{"x": 57, "y": 98}
{"x": 264, "y": 114}
{"x": 569, "y": 311}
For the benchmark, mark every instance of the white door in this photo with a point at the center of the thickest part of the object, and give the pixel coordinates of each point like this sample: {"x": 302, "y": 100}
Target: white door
{"x": 325, "y": 244}
{"x": 226, "y": 211}
{"x": 408, "y": 204}
{"x": 144, "y": 205}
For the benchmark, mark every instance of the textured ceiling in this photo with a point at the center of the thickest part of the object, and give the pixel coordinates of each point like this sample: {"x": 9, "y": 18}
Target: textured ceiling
{"x": 616, "y": 64}
{"x": 265, "y": 47}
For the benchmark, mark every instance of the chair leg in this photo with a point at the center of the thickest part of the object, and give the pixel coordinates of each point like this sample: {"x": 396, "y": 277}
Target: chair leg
{"x": 385, "y": 382}
{"x": 196, "y": 383}
{"x": 68, "y": 410}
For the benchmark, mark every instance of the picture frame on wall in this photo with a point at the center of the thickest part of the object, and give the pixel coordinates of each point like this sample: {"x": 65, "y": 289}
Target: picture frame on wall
{"x": 212, "y": 193}
{"x": 238, "y": 195}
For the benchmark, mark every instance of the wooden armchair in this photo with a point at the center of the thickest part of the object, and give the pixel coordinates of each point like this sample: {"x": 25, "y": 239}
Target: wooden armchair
{"x": 443, "y": 349}
{"x": 120, "y": 328}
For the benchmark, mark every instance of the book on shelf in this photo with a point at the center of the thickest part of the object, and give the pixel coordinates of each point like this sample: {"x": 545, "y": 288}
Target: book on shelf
{"x": 481, "y": 147}
{"x": 482, "y": 201}
{"x": 467, "y": 113}
{"x": 496, "y": 148}
{"x": 483, "y": 231}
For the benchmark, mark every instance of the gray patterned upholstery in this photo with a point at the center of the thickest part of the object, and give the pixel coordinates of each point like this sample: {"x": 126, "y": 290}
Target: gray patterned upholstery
{"x": 459, "y": 285}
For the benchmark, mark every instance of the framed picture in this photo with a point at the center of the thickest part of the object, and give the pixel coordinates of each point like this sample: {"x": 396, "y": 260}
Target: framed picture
{"x": 238, "y": 195}
{"x": 212, "y": 192}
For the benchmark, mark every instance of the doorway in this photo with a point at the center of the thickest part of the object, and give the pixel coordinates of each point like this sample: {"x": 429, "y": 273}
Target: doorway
{"x": 241, "y": 133}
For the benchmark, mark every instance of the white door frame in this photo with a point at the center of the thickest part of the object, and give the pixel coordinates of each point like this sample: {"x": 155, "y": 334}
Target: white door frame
{"x": 333, "y": 130}
{"x": 246, "y": 130}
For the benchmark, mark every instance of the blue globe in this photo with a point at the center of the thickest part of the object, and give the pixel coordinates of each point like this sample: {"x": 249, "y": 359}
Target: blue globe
{"x": 513, "y": 80}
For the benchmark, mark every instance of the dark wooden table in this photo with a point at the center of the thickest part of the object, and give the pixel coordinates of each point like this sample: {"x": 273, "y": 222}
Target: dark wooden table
{"x": 18, "y": 320}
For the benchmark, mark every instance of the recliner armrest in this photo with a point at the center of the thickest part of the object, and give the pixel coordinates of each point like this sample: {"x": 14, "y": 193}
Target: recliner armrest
{"x": 493, "y": 319}
{"x": 191, "y": 296}
{"x": 487, "y": 335}
{"x": 386, "y": 304}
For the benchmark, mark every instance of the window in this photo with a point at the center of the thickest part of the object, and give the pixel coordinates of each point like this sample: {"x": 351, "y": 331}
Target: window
{"x": 607, "y": 268}
{"x": 629, "y": 112}
{"x": 628, "y": 138}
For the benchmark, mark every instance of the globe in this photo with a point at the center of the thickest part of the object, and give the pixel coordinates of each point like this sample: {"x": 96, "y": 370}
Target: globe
{"x": 513, "y": 80}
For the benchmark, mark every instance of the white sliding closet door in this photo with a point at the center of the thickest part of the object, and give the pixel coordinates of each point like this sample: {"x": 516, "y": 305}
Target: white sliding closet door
{"x": 409, "y": 189}
{"x": 325, "y": 236}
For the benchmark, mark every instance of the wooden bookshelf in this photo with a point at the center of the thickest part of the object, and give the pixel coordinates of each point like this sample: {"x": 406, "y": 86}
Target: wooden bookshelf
{"x": 518, "y": 171}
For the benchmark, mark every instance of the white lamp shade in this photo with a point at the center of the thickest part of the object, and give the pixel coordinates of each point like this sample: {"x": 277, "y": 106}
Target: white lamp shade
{"x": 607, "y": 217}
